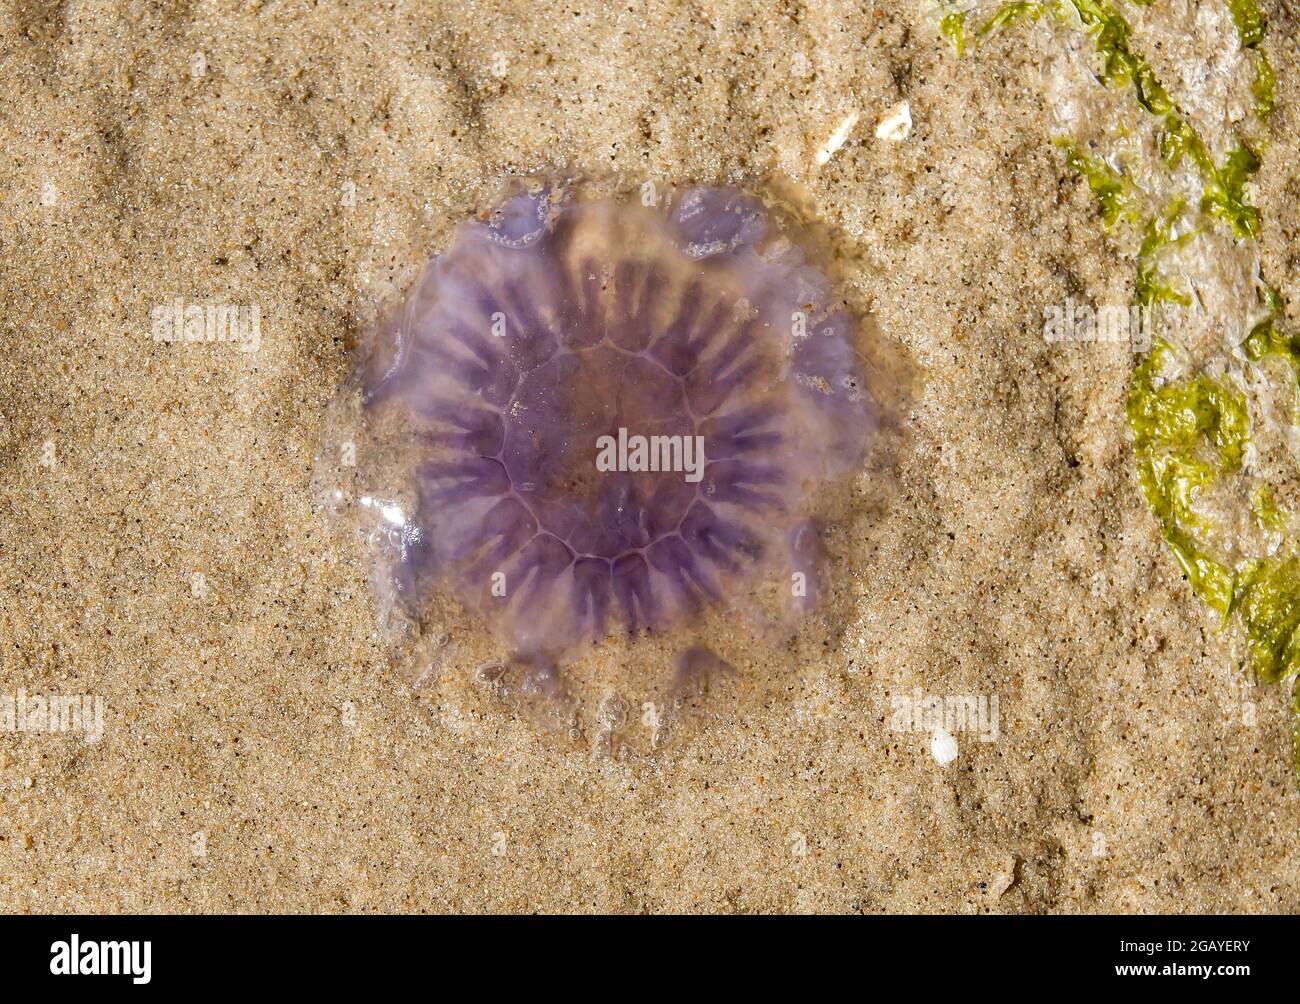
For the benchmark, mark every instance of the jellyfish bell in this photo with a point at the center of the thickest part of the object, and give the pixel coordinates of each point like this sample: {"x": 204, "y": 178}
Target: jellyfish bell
{"x": 610, "y": 422}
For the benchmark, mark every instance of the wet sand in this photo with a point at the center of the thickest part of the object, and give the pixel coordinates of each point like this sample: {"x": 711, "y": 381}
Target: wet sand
{"x": 161, "y": 548}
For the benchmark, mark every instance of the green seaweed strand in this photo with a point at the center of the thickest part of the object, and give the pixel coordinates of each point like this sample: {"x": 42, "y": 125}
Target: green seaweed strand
{"x": 1250, "y": 24}
{"x": 1186, "y": 436}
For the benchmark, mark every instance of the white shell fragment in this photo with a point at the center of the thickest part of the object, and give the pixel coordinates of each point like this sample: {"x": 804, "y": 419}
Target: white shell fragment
{"x": 943, "y": 747}
{"x": 837, "y": 138}
{"x": 896, "y": 123}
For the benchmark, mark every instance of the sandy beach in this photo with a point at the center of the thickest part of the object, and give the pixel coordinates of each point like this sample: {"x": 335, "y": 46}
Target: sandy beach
{"x": 164, "y": 555}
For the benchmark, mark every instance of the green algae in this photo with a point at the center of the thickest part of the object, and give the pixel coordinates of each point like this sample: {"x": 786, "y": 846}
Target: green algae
{"x": 1190, "y": 432}
{"x": 1264, "y": 87}
{"x": 1265, "y": 339}
{"x": 1151, "y": 287}
{"x": 1269, "y": 604}
{"x": 1251, "y": 26}
{"x": 1186, "y": 436}
{"x": 1117, "y": 195}
{"x": 1011, "y": 13}
{"x": 953, "y": 27}
{"x": 1249, "y": 21}
{"x": 1224, "y": 198}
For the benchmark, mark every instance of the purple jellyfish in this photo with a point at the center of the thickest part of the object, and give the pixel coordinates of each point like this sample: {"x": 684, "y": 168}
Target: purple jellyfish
{"x": 616, "y": 414}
